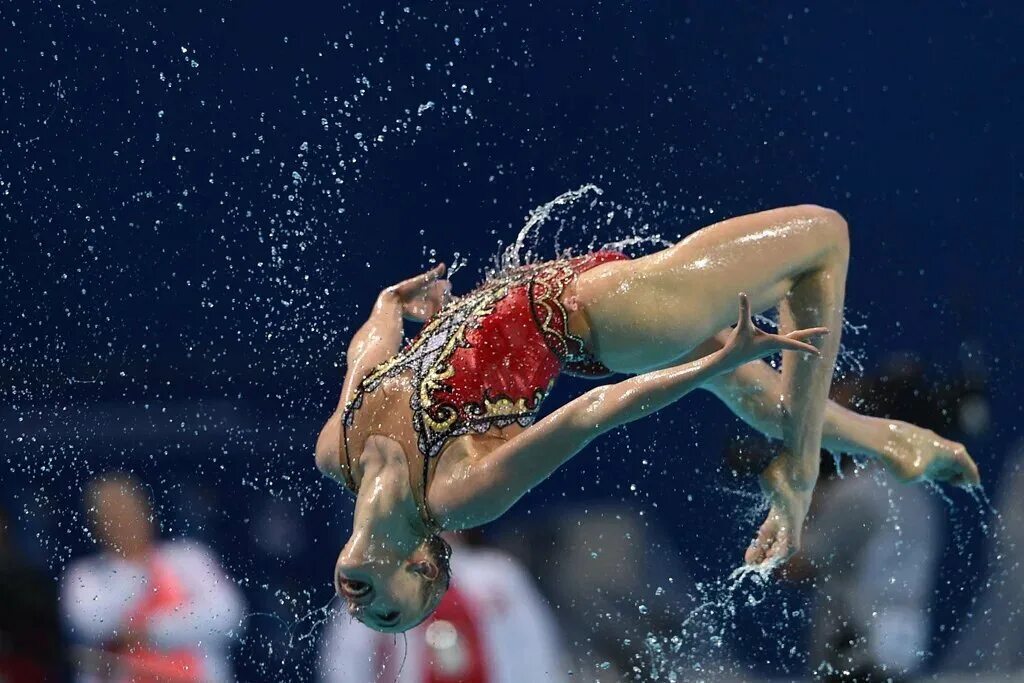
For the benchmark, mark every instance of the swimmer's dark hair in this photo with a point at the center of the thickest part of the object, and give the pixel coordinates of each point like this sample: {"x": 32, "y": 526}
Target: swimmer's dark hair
{"x": 439, "y": 552}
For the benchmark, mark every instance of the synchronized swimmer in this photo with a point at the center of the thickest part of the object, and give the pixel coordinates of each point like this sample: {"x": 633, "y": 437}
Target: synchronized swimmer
{"x": 440, "y": 434}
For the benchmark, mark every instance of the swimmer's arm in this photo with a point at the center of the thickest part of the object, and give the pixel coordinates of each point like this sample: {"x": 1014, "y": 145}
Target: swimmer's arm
{"x": 380, "y": 337}
{"x": 377, "y": 340}
{"x": 488, "y": 486}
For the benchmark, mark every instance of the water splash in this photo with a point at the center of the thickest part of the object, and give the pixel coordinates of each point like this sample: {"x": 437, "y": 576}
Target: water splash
{"x": 526, "y": 249}
{"x": 514, "y": 255}
{"x": 685, "y": 655}
{"x": 624, "y": 243}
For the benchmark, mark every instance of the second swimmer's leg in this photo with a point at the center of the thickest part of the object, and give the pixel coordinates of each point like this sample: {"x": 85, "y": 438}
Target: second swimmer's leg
{"x": 753, "y": 392}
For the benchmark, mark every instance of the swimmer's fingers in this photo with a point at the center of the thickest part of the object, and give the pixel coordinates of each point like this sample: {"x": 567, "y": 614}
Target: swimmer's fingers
{"x": 745, "y": 324}
{"x": 765, "y": 344}
{"x": 747, "y": 331}
{"x": 433, "y": 297}
{"x": 784, "y": 344}
{"x": 808, "y": 333}
{"x": 417, "y": 283}
{"x": 794, "y": 340}
{"x": 972, "y": 477}
{"x": 745, "y": 339}
{"x": 423, "y": 303}
{"x": 422, "y": 296}
{"x": 782, "y": 547}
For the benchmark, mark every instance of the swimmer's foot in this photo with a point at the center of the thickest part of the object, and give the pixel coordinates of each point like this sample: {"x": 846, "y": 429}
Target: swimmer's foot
{"x": 779, "y": 536}
{"x": 914, "y": 453}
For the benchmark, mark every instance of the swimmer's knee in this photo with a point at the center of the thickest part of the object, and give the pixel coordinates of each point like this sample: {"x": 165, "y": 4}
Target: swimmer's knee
{"x": 830, "y": 227}
{"x": 829, "y": 231}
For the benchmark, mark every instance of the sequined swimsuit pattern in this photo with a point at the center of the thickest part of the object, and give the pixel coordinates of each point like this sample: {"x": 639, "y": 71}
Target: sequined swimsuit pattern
{"x": 489, "y": 358}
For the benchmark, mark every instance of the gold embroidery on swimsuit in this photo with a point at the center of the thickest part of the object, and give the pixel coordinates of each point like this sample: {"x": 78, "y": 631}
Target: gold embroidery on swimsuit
{"x": 503, "y": 406}
{"x": 430, "y": 359}
{"x": 550, "y": 283}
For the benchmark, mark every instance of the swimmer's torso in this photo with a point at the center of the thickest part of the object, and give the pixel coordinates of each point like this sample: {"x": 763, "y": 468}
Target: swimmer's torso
{"x": 474, "y": 376}
{"x": 386, "y": 411}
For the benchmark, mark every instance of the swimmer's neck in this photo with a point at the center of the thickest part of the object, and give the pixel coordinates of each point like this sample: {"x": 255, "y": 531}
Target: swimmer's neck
{"x": 386, "y": 519}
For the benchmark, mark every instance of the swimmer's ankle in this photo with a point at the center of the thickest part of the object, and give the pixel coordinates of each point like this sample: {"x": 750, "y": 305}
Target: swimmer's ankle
{"x": 791, "y": 476}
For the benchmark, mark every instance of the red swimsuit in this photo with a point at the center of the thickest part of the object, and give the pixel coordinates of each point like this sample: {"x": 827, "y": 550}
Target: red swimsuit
{"x": 489, "y": 358}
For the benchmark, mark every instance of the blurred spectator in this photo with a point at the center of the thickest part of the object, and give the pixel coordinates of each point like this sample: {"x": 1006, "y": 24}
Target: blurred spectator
{"x": 873, "y": 546}
{"x": 622, "y": 593}
{"x": 491, "y": 627}
{"x": 145, "y": 610}
{"x": 30, "y": 646}
{"x": 992, "y": 639}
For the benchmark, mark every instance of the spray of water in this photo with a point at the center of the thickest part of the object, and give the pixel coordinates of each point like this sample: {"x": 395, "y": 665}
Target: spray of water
{"x": 526, "y": 248}
{"x": 514, "y": 255}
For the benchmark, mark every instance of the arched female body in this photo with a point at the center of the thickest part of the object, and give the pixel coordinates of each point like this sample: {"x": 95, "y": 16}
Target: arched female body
{"x": 664, "y": 318}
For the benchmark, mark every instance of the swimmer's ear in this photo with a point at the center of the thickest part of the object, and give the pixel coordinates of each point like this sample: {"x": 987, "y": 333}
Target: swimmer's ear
{"x": 426, "y": 569}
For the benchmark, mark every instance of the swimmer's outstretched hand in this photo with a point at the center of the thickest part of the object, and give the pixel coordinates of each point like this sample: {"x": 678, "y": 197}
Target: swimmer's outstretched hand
{"x": 747, "y": 342}
{"x": 421, "y": 297}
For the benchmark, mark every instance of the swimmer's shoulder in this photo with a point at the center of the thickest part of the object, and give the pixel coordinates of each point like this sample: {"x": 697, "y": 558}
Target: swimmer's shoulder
{"x": 330, "y": 456}
{"x": 467, "y": 450}
{"x": 336, "y": 452}
{"x": 451, "y": 495}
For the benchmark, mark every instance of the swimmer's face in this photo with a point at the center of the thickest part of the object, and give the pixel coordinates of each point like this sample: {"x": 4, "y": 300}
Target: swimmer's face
{"x": 392, "y": 594}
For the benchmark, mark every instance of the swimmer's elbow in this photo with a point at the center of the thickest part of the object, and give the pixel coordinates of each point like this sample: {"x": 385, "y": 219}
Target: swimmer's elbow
{"x": 604, "y": 408}
{"x": 594, "y": 411}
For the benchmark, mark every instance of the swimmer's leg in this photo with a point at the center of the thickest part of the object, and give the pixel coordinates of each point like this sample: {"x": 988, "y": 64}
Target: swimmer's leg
{"x": 815, "y": 300}
{"x": 754, "y": 394}
{"x": 646, "y": 312}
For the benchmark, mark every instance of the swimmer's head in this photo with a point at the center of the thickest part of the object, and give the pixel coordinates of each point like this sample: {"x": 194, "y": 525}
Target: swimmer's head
{"x": 392, "y": 593}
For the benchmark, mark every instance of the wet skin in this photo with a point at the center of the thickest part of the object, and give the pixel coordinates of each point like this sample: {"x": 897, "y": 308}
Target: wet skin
{"x": 665, "y": 317}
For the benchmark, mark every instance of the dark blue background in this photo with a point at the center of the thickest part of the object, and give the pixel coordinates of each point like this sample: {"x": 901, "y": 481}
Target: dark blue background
{"x": 191, "y": 228}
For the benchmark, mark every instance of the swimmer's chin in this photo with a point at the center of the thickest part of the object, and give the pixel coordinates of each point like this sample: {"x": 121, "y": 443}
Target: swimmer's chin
{"x": 397, "y": 628}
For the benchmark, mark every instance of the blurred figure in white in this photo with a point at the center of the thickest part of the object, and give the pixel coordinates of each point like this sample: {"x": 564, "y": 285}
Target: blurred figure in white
{"x": 143, "y": 610}
{"x": 992, "y": 636}
{"x": 492, "y": 626}
{"x": 872, "y": 548}
{"x": 625, "y": 598}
